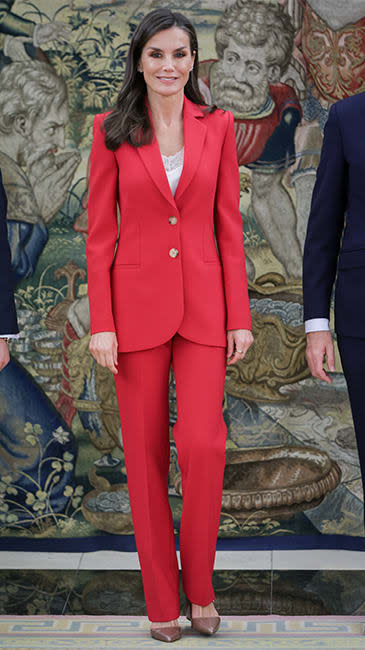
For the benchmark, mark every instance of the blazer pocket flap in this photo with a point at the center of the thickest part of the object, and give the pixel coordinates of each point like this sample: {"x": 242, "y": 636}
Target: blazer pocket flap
{"x": 351, "y": 259}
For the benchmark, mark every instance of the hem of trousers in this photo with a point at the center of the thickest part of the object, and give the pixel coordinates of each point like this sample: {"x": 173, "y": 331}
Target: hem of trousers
{"x": 164, "y": 619}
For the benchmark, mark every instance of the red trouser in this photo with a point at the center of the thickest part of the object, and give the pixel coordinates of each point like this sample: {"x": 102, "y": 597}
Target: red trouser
{"x": 200, "y": 435}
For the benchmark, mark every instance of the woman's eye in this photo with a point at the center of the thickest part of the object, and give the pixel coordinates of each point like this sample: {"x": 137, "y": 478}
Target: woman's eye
{"x": 158, "y": 54}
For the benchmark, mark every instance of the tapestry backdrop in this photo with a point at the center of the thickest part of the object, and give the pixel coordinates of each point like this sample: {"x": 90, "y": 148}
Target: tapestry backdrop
{"x": 292, "y": 477}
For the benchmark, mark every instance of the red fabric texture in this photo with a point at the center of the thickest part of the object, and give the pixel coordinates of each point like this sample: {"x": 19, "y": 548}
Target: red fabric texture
{"x": 145, "y": 295}
{"x": 200, "y": 435}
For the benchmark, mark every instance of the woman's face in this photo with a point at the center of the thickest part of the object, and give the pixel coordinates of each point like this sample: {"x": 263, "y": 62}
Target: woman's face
{"x": 166, "y": 61}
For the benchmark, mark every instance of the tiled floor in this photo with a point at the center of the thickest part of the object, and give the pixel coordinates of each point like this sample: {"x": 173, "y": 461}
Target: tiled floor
{"x": 120, "y": 592}
{"x": 312, "y": 593}
{"x": 301, "y": 583}
{"x": 99, "y": 593}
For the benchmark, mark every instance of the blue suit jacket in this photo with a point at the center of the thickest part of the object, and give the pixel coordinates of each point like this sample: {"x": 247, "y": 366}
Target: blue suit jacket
{"x": 335, "y": 238}
{"x": 8, "y": 320}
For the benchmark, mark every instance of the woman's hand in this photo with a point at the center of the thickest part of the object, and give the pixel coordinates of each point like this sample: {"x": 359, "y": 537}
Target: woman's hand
{"x": 4, "y": 353}
{"x": 104, "y": 348}
{"x": 238, "y": 340}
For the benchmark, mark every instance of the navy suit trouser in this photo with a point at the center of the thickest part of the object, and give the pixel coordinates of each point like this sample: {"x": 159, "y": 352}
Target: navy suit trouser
{"x": 352, "y": 353}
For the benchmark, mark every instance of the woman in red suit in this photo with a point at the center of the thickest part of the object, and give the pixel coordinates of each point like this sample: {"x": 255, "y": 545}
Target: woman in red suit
{"x": 167, "y": 294}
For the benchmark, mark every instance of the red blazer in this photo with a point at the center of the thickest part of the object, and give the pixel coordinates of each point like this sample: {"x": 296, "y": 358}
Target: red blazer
{"x": 167, "y": 275}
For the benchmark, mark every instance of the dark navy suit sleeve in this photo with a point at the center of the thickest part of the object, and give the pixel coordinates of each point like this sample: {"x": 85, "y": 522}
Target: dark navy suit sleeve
{"x": 326, "y": 222}
{"x": 8, "y": 319}
{"x": 27, "y": 242}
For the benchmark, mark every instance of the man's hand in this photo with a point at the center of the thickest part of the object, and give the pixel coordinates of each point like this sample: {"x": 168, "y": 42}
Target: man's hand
{"x": 4, "y": 354}
{"x": 320, "y": 346}
{"x": 104, "y": 348}
{"x": 238, "y": 340}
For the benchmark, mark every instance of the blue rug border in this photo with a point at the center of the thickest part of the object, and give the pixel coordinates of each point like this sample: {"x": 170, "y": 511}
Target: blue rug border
{"x": 126, "y": 543}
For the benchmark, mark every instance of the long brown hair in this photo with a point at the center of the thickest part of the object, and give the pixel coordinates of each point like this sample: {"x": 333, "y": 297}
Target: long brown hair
{"x": 129, "y": 120}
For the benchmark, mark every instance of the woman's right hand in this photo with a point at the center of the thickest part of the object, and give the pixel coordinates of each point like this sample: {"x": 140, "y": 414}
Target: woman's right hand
{"x": 4, "y": 353}
{"x": 104, "y": 348}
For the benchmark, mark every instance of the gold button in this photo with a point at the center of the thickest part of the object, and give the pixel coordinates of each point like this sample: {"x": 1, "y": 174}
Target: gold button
{"x": 173, "y": 252}
{"x": 172, "y": 220}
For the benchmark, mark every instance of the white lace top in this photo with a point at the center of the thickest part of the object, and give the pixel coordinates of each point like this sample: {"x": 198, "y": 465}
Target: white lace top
{"x": 173, "y": 167}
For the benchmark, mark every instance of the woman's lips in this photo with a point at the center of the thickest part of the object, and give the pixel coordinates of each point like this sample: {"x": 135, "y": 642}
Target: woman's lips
{"x": 167, "y": 79}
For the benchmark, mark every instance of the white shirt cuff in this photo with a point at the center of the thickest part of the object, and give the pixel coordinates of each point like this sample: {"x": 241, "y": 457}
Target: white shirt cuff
{"x": 317, "y": 325}
{"x": 9, "y": 336}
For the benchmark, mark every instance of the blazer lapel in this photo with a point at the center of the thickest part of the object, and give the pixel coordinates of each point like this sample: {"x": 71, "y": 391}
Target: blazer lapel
{"x": 194, "y": 137}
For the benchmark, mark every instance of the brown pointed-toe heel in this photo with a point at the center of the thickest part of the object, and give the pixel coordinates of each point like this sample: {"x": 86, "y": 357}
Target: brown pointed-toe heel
{"x": 203, "y": 624}
{"x": 169, "y": 634}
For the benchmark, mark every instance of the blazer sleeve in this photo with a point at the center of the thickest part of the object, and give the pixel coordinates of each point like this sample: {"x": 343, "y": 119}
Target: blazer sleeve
{"x": 102, "y": 230}
{"x": 229, "y": 233}
{"x": 326, "y": 222}
{"x": 8, "y": 318}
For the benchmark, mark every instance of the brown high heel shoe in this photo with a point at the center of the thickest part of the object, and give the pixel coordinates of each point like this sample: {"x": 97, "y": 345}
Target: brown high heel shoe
{"x": 169, "y": 634}
{"x": 203, "y": 624}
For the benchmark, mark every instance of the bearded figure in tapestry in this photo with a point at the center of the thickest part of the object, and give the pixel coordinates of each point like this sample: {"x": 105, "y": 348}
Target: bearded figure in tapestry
{"x": 254, "y": 43}
{"x": 33, "y": 435}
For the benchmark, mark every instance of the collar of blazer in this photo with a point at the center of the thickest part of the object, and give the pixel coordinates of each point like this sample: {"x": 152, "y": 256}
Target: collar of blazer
{"x": 194, "y": 136}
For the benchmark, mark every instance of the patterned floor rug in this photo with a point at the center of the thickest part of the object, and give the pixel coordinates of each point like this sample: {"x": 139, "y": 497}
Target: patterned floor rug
{"x": 128, "y": 632}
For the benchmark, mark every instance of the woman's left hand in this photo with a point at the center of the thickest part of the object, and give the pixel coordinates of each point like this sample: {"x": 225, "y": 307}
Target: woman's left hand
{"x": 238, "y": 342}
